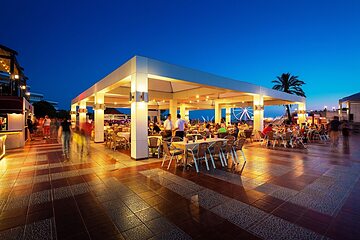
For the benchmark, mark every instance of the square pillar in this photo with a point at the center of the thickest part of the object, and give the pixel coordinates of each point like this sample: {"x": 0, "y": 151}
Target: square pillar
{"x": 340, "y": 111}
{"x": 158, "y": 116}
{"x": 99, "y": 108}
{"x": 258, "y": 112}
{"x": 186, "y": 117}
{"x": 73, "y": 115}
{"x": 217, "y": 112}
{"x": 173, "y": 109}
{"x": 182, "y": 111}
{"x": 348, "y": 110}
{"x": 139, "y": 111}
{"x": 82, "y": 113}
{"x": 228, "y": 115}
{"x": 301, "y": 113}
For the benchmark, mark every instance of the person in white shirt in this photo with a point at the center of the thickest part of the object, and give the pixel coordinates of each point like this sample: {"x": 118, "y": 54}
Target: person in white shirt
{"x": 168, "y": 126}
{"x": 46, "y": 127}
{"x": 180, "y": 126}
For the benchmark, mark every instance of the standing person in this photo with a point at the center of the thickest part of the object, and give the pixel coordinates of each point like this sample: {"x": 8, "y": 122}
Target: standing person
{"x": 46, "y": 127}
{"x": 168, "y": 127}
{"x": 30, "y": 127}
{"x": 64, "y": 134}
{"x": 180, "y": 126}
{"x": 345, "y": 129}
{"x": 334, "y": 128}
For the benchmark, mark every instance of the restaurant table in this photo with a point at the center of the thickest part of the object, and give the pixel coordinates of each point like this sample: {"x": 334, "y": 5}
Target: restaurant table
{"x": 124, "y": 134}
{"x": 190, "y": 144}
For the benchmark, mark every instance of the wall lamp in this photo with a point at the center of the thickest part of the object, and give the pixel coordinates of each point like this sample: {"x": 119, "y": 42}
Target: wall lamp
{"x": 259, "y": 107}
{"x": 301, "y": 111}
{"x": 99, "y": 106}
{"x": 139, "y": 97}
{"x": 82, "y": 110}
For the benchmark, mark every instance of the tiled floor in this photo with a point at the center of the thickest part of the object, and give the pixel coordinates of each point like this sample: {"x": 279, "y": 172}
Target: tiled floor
{"x": 277, "y": 194}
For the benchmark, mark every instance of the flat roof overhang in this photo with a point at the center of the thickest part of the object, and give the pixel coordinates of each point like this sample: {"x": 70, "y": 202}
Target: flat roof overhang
{"x": 195, "y": 89}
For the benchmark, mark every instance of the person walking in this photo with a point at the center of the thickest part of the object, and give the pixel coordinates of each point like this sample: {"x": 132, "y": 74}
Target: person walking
{"x": 168, "y": 127}
{"x": 64, "y": 134}
{"x": 46, "y": 127}
{"x": 30, "y": 126}
{"x": 180, "y": 126}
{"x": 334, "y": 129}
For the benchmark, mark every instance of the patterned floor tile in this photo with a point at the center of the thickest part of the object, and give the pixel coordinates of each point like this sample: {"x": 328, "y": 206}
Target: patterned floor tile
{"x": 12, "y": 234}
{"x": 39, "y": 230}
{"x": 138, "y": 233}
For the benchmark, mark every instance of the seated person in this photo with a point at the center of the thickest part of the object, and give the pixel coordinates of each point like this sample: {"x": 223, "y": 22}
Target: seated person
{"x": 268, "y": 129}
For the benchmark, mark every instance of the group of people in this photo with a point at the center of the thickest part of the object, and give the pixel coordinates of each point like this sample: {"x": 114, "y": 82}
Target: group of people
{"x": 180, "y": 127}
{"x": 62, "y": 130}
{"x": 46, "y": 127}
{"x": 332, "y": 129}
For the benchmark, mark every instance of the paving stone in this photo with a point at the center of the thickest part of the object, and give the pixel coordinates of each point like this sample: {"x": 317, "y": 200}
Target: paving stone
{"x": 40, "y": 197}
{"x": 147, "y": 214}
{"x": 159, "y": 225}
{"x": 138, "y": 233}
{"x": 124, "y": 223}
{"x": 12, "y": 234}
{"x": 173, "y": 234}
{"x": 39, "y": 230}
{"x": 63, "y": 192}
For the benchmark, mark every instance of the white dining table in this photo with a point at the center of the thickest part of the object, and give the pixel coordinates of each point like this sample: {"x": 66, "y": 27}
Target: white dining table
{"x": 124, "y": 134}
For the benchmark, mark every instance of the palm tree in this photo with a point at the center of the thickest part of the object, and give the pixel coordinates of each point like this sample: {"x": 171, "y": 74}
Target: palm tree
{"x": 289, "y": 84}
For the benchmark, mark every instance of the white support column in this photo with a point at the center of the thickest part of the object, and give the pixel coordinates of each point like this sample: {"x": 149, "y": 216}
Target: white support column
{"x": 99, "y": 108}
{"x": 228, "y": 115}
{"x": 258, "y": 112}
{"x": 173, "y": 109}
{"x": 186, "y": 117}
{"x": 73, "y": 115}
{"x": 348, "y": 110}
{"x": 340, "y": 111}
{"x": 158, "y": 116}
{"x": 182, "y": 111}
{"x": 139, "y": 111}
{"x": 217, "y": 112}
{"x": 82, "y": 113}
{"x": 302, "y": 113}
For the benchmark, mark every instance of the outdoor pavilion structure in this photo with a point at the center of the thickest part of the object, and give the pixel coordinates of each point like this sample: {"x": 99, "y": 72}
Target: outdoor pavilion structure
{"x": 144, "y": 84}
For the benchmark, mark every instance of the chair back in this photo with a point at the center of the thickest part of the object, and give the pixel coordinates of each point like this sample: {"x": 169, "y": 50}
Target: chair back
{"x": 229, "y": 145}
{"x": 153, "y": 142}
{"x": 202, "y": 148}
{"x": 230, "y": 138}
{"x": 270, "y": 135}
{"x": 261, "y": 134}
{"x": 217, "y": 147}
{"x": 288, "y": 136}
{"x": 248, "y": 133}
{"x": 176, "y": 139}
{"x": 166, "y": 148}
{"x": 240, "y": 143}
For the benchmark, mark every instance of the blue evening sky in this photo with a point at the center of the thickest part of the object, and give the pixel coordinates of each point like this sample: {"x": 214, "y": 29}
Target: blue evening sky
{"x": 66, "y": 46}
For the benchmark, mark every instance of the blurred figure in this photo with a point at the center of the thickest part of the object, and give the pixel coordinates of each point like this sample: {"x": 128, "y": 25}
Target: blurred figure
{"x": 64, "y": 134}
{"x": 46, "y": 127}
{"x": 30, "y": 127}
{"x": 334, "y": 128}
{"x": 345, "y": 129}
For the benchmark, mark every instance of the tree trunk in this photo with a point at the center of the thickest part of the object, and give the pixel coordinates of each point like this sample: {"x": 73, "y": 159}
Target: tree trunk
{"x": 288, "y": 113}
